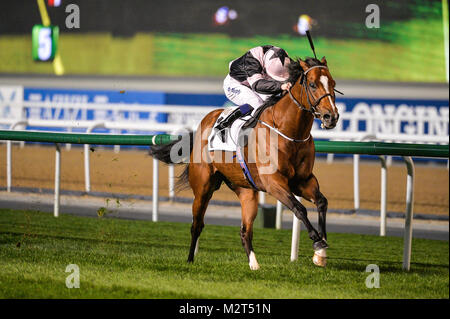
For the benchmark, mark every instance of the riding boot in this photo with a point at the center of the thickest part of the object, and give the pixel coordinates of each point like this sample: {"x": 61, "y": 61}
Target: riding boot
{"x": 226, "y": 123}
{"x": 223, "y": 126}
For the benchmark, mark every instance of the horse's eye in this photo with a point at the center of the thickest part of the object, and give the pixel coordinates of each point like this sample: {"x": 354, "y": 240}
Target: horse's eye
{"x": 312, "y": 85}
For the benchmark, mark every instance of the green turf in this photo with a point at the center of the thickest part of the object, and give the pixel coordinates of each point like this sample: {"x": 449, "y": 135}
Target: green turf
{"x": 141, "y": 259}
{"x": 410, "y": 50}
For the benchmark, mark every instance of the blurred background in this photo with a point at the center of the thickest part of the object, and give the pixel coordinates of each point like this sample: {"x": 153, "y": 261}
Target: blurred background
{"x": 178, "y": 38}
{"x": 145, "y": 67}
{"x": 149, "y": 67}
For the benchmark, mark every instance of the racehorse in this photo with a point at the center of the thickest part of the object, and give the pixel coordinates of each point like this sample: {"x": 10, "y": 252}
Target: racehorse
{"x": 291, "y": 117}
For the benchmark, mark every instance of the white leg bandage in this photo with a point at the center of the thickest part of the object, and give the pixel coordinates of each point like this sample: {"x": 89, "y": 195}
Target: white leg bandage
{"x": 196, "y": 247}
{"x": 253, "y": 263}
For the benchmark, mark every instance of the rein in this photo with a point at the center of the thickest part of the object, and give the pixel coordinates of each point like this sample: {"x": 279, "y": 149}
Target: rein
{"x": 303, "y": 81}
{"x": 282, "y": 135}
{"x": 312, "y": 107}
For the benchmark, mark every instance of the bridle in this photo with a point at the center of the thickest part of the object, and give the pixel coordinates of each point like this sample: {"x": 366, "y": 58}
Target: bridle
{"x": 303, "y": 81}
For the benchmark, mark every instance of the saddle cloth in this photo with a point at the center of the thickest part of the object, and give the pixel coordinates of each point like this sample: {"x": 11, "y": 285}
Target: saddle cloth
{"x": 231, "y": 141}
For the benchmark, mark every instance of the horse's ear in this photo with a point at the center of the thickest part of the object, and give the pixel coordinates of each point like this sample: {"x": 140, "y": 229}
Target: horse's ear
{"x": 324, "y": 61}
{"x": 303, "y": 64}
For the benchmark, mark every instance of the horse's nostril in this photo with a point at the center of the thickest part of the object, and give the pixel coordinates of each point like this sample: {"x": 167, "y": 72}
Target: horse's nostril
{"x": 327, "y": 117}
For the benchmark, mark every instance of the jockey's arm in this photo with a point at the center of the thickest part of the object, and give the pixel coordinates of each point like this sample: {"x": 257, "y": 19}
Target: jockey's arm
{"x": 268, "y": 86}
{"x": 258, "y": 82}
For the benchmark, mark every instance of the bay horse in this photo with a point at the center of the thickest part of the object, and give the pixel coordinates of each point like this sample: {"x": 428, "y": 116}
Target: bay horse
{"x": 291, "y": 116}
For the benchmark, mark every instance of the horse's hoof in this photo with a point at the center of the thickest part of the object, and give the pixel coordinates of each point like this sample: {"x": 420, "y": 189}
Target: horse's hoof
{"x": 254, "y": 267}
{"x": 320, "y": 257}
{"x": 253, "y": 263}
{"x": 319, "y": 260}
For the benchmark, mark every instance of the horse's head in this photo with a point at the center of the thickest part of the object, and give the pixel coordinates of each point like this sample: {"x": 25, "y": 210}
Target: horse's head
{"x": 316, "y": 87}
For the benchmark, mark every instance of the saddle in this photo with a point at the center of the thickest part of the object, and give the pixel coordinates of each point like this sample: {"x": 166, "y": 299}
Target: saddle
{"x": 235, "y": 137}
{"x": 253, "y": 120}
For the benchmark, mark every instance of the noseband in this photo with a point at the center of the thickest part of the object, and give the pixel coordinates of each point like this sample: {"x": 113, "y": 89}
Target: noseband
{"x": 303, "y": 81}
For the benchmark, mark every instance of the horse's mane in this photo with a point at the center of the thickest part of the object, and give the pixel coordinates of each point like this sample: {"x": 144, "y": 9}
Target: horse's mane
{"x": 295, "y": 71}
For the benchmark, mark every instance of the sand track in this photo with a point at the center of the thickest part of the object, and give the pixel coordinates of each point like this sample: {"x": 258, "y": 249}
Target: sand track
{"x": 130, "y": 171}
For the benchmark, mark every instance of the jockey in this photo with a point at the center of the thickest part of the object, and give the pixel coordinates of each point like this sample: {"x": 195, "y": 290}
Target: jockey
{"x": 253, "y": 78}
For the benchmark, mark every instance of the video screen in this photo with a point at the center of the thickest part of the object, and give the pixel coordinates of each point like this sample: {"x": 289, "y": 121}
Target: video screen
{"x": 383, "y": 41}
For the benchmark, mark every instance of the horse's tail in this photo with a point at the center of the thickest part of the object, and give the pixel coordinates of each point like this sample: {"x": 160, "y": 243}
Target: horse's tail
{"x": 163, "y": 154}
{"x": 183, "y": 179}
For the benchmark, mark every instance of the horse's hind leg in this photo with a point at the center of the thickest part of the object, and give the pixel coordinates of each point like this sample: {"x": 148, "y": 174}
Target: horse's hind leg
{"x": 203, "y": 183}
{"x": 249, "y": 204}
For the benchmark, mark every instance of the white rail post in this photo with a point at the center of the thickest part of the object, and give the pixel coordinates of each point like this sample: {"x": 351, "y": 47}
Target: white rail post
{"x": 262, "y": 198}
{"x": 87, "y": 169}
{"x": 356, "y": 181}
{"x": 279, "y": 215}
{"x": 330, "y": 158}
{"x": 295, "y": 235}
{"x": 57, "y": 180}
{"x": 9, "y": 156}
{"x": 409, "y": 213}
{"x": 87, "y": 177}
{"x": 356, "y": 158}
{"x": 389, "y": 160}
{"x": 155, "y": 199}
{"x": 383, "y": 202}
{"x": 8, "y": 166}
{"x": 68, "y": 145}
{"x": 117, "y": 147}
{"x": 171, "y": 181}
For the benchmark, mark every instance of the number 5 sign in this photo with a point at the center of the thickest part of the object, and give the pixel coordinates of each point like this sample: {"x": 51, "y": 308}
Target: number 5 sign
{"x": 44, "y": 42}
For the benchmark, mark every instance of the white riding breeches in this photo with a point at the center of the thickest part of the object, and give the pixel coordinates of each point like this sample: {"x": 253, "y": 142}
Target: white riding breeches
{"x": 240, "y": 94}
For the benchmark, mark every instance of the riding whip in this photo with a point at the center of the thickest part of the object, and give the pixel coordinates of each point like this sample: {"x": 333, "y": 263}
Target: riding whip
{"x": 314, "y": 51}
{"x": 311, "y": 43}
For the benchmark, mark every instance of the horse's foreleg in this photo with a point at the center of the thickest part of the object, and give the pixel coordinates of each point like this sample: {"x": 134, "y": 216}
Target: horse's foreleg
{"x": 309, "y": 190}
{"x": 277, "y": 186}
{"x": 249, "y": 204}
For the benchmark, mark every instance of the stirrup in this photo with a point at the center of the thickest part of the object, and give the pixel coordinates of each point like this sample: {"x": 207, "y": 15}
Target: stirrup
{"x": 221, "y": 131}
{"x": 223, "y": 134}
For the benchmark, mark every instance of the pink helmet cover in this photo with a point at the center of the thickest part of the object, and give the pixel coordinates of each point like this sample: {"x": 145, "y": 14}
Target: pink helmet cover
{"x": 276, "y": 62}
